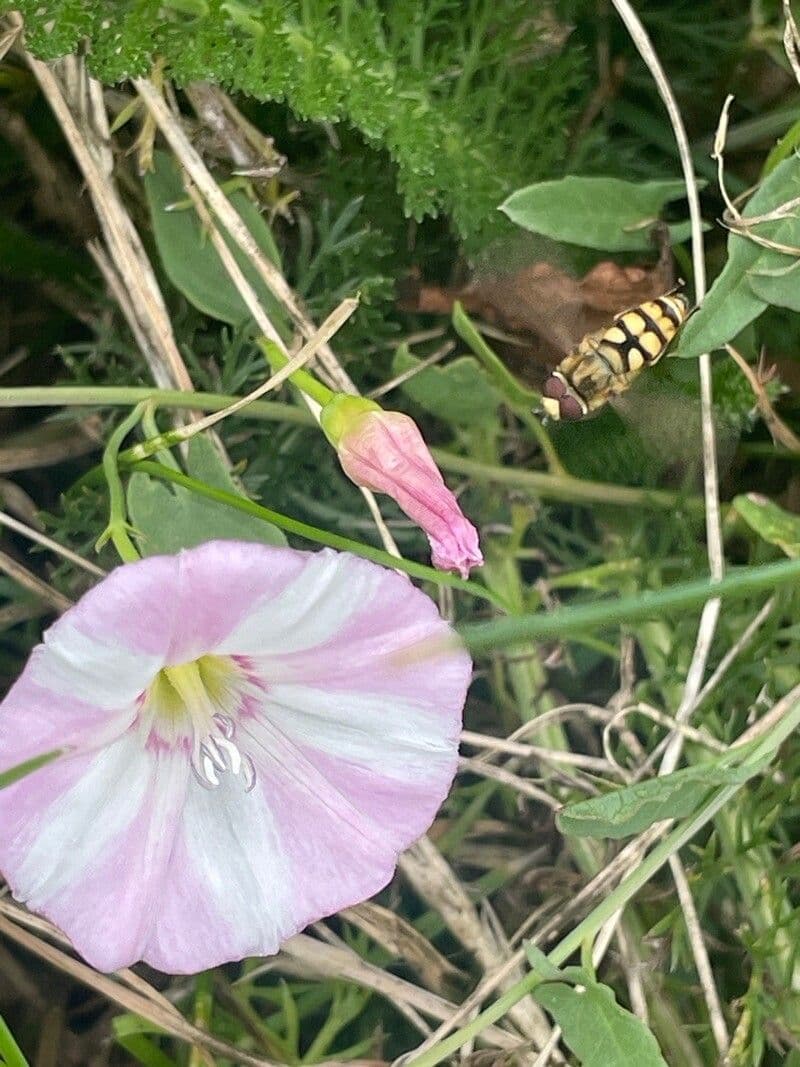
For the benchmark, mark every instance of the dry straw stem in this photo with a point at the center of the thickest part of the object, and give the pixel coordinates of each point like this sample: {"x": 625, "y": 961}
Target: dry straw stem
{"x": 227, "y": 214}
{"x": 157, "y": 1011}
{"x": 701, "y": 961}
{"x": 710, "y": 613}
{"x": 30, "y": 581}
{"x": 498, "y": 774}
{"x": 47, "y": 542}
{"x": 405, "y": 942}
{"x": 412, "y": 372}
{"x": 791, "y": 40}
{"x": 232, "y": 222}
{"x": 434, "y": 879}
{"x": 77, "y": 103}
{"x": 329, "y": 327}
{"x": 304, "y": 955}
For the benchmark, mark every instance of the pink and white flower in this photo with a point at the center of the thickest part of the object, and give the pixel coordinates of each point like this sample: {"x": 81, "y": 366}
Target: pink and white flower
{"x": 246, "y": 751}
{"x": 385, "y": 451}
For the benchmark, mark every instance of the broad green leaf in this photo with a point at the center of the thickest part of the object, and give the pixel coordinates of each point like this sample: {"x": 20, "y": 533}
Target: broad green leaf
{"x": 596, "y": 1029}
{"x": 742, "y": 291}
{"x": 633, "y": 808}
{"x": 457, "y": 393}
{"x": 776, "y": 526}
{"x": 189, "y": 257}
{"x": 169, "y": 518}
{"x": 605, "y": 213}
{"x": 13, "y": 774}
{"x": 10, "y": 1052}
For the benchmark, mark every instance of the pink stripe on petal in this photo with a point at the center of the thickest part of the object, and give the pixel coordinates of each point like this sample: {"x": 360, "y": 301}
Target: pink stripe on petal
{"x": 367, "y": 652}
{"x": 222, "y": 584}
{"x": 310, "y": 609}
{"x": 405, "y": 806}
{"x": 34, "y": 720}
{"x": 133, "y": 608}
{"x": 85, "y": 843}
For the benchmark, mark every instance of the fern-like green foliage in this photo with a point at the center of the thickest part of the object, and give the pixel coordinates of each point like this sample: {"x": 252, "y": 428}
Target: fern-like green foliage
{"x": 469, "y": 97}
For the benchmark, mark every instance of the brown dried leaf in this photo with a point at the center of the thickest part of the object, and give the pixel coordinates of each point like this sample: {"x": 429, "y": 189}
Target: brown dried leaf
{"x": 545, "y": 307}
{"x": 399, "y": 937}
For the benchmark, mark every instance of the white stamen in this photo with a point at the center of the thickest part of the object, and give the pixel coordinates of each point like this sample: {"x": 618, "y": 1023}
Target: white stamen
{"x": 225, "y": 723}
{"x": 209, "y": 771}
{"x": 209, "y": 749}
{"x": 232, "y": 752}
{"x": 249, "y": 774}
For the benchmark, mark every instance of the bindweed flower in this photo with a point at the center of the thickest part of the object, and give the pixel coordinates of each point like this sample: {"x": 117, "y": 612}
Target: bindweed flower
{"x": 384, "y": 451}
{"x": 246, "y": 751}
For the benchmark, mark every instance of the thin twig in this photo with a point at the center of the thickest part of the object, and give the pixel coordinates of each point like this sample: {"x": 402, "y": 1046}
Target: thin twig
{"x": 513, "y": 781}
{"x": 329, "y": 327}
{"x": 412, "y": 372}
{"x": 48, "y": 542}
{"x": 791, "y": 40}
{"x": 90, "y": 144}
{"x": 701, "y": 961}
{"x": 30, "y": 581}
{"x": 534, "y": 752}
{"x": 342, "y": 962}
{"x": 714, "y": 543}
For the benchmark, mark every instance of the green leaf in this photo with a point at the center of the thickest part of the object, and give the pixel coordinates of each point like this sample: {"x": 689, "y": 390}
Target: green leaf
{"x": 458, "y": 393}
{"x": 771, "y": 522}
{"x": 633, "y": 808}
{"x": 28, "y": 767}
{"x": 167, "y": 519}
{"x": 10, "y": 1052}
{"x": 605, "y": 213}
{"x": 190, "y": 259}
{"x": 540, "y": 964}
{"x": 742, "y": 291}
{"x": 596, "y": 1029}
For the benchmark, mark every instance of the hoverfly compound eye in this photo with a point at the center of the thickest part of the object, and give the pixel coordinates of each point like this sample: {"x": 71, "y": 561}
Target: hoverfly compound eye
{"x": 559, "y": 400}
{"x": 552, "y": 392}
{"x": 570, "y": 409}
{"x": 554, "y": 388}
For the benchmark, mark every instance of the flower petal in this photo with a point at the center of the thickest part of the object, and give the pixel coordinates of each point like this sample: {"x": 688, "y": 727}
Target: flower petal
{"x": 250, "y": 870}
{"x": 222, "y": 585}
{"x": 373, "y": 650}
{"x": 311, "y": 608}
{"x": 86, "y": 840}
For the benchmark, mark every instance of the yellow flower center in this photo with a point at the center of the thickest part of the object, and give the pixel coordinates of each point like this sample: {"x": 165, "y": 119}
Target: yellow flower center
{"x": 197, "y": 702}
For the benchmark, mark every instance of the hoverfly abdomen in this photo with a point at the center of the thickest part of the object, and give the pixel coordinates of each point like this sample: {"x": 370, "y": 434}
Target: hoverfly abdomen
{"x": 605, "y": 362}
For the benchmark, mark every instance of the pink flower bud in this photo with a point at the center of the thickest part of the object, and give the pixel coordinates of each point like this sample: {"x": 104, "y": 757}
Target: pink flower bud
{"x": 384, "y": 451}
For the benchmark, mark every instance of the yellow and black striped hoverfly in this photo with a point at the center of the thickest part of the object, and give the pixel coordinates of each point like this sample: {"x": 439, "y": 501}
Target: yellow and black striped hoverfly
{"x": 606, "y": 362}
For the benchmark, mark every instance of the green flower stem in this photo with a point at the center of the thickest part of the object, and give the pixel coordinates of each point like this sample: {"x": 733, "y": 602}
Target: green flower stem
{"x": 117, "y": 529}
{"x": 522, "y": 400}
{"x": 98, "y": 396}
{"x": 616, "y": 611}
{"x": 589, "y": 927}
{"x": 301, "y": 378}
{"x": 550, "y": 486}
{"x": 566, "y": 487}
{"x": 314, "y": 533}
